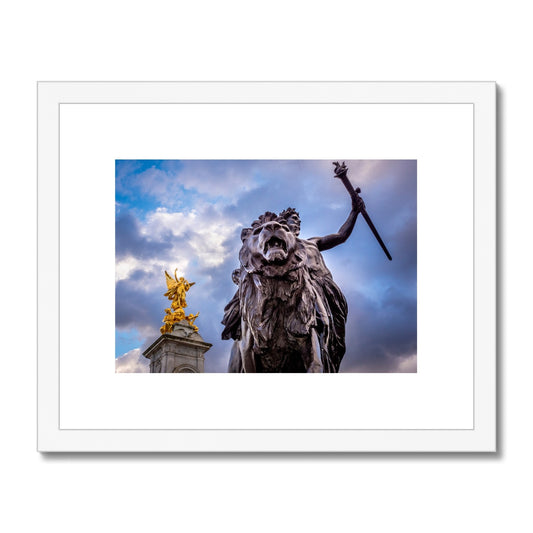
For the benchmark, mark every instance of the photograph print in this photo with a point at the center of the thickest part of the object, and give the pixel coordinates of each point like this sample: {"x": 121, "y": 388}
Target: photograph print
{"x": 265, "y": 266}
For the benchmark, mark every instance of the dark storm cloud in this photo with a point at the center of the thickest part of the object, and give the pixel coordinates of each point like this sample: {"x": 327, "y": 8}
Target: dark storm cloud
{"x": 130, "y": 241}
{"x": 379, "y": 335}
{"x": 135, "y": 307}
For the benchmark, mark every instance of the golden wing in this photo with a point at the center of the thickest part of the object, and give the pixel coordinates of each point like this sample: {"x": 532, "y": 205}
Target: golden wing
{"x": 172, "y": 285}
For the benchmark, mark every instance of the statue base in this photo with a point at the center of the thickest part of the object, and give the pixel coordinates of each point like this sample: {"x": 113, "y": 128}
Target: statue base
{"x": 181, "y": 350}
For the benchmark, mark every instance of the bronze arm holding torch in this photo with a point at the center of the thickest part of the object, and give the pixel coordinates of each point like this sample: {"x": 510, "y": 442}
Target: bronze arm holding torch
{"x": 341, "y": 173}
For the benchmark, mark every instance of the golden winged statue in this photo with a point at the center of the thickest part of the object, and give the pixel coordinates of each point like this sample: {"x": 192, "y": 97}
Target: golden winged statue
{"x": 177, "y": 289}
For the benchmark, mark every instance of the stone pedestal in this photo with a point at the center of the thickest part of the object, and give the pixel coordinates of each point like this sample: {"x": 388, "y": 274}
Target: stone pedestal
{"x": 182, "y": 350}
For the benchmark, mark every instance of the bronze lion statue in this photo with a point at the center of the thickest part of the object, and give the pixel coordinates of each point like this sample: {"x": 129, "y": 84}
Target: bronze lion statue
{"x": 288, "y": 315}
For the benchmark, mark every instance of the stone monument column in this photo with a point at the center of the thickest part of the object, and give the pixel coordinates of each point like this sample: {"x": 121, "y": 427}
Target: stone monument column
{"x": 180, "y": 350}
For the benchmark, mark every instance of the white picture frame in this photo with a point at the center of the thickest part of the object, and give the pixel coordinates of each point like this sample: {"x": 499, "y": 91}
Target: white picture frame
{"x": 449, "y": 405}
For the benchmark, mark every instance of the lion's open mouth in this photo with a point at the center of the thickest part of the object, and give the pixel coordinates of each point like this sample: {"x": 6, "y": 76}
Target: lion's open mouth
{"x": 275, "y": 243}
{"x": 275, "y": 249}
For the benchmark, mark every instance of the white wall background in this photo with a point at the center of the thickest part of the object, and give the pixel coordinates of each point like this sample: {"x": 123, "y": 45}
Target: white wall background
{"x": 279, "y": 40}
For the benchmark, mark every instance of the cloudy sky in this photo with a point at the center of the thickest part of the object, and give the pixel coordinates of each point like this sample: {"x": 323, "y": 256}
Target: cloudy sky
{"x": 189, "y": 214}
